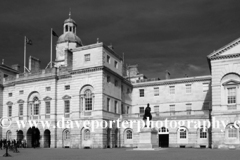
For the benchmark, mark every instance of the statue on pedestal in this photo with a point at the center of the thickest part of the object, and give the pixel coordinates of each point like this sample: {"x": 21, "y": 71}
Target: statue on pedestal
{"x": 147, "y": 113}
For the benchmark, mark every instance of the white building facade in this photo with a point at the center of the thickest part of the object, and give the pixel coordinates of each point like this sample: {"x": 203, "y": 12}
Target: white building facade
{"x": 91, "y": 82}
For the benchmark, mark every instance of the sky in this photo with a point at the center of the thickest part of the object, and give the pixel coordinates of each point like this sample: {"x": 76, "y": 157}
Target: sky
{"x": 158, "y": 35}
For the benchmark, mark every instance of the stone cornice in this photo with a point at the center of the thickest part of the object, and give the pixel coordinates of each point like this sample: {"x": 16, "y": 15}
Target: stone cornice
{"x": 95, "y": 46}
{"x": 29, "y": 80}
{"x": 172, "y": 81}
{"x": 225, "y": 56}
{"x": 224, "y": 48}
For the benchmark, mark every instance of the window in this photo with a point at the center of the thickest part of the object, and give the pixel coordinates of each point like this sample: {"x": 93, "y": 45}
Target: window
{"x": 67, "y": 134}
{"x": 141, "y": 92}
{"x": 232, "y": 131}
{"x": 203, "y": 133}
{"x": 20, "y": 109}
{"x": 66, "y": 28}
{"x": 231, "y": 99}
{"x": 172, "y": 110}
{"x": 9, "y": 111}
{"x": 116, "y": 107}
{"x": 108, "y": 104}
{"x": 129, "y": 134}
{"x": 156, "y": 91}
{"x": 9, "y": 94}
{"x": 189, "y": 108}
{"x": 48, "y": 88}
{"x": 122, "y": 109}
{"x": 128, "y": 90}
{"x": 172, "y": 89}
{"x": 87, "y": 57}
{"x": 116, "y": 82}
{"x": 156, "y": 108}
{"x": 21, "y": 92}
{"x": 115, "y": 64}
{"x": 141, "y": 110}
{"x": 88, "y": 100}
{"x": 67, "y": 87}
{"x": 36, "y": 106}
{"x": 205, "y": 87}
{"x": 47, "y": 104}
{"x": 86, "y": 134}
{"x": 128, "y": 109}
{"x": 188, "y": 88}
{"x": 108, "y": 79}
{"x": 206, "y": 106}
{"x": 36, "y": 109}
{"x": 67, "y": 106}
{"x": 183, "y": 134}
{"x": 108, "y": 59}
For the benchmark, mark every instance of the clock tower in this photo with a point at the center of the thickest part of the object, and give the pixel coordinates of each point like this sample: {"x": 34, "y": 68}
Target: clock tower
{"x": 67, "y": 41}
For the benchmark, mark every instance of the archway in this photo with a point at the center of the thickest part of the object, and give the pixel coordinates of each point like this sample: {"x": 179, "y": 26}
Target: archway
{"x": 47, "y": 138}
{"x": 108, "y": 138}
{"x": 20, "y": 135}
{"x": 116, "y": 138}
{"x": 9, "y": 135}
{"x": 33, "y": 137}
{"x": 163, "y": 135}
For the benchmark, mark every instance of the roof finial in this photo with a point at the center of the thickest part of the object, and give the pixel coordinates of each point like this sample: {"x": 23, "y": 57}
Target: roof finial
{"x": 2, "y": 61}
{"x": 69, "y": 12}
{"x": 97, "y": 40}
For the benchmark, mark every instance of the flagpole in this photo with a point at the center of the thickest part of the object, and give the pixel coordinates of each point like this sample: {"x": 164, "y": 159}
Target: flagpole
{"x": 24, "y": 54}
{"x": 51, "y": 51}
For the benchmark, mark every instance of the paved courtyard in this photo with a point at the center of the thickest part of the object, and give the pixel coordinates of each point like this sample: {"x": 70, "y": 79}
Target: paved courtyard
{"x": 122, "y": 154}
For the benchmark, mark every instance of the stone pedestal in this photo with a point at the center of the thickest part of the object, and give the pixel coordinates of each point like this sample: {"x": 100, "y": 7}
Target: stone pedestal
{"x": 148, "y": 138}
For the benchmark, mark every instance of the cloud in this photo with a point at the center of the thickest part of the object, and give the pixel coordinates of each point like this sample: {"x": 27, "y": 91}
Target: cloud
{"x": 194, "y": 68}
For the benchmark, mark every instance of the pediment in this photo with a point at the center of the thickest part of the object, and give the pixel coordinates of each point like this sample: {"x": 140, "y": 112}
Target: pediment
{"x": 47, "y": 98}
{"x": 231, "y": 82}
{"x": 20, "y": 101}
{"x": 230, "y": 49}
{"x": 9, "y": 103}
{"x": 66, "y": 97}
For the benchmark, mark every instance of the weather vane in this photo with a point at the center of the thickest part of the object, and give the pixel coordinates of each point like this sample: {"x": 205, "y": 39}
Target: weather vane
{"x": 69, "y": 12}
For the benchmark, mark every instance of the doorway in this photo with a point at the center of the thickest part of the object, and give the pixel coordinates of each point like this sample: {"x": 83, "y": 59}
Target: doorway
{"x": 163, "y": 137}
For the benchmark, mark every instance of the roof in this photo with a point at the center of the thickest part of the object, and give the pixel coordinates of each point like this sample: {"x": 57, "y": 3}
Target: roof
{"x": 5, "y": 67}
{"x": 70, "y": 20}
{"x": 69, "y": 37}
{"x": 224, "y": 49}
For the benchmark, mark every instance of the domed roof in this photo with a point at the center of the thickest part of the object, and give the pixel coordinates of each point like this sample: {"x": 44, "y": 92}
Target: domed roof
{"x": 69, "y": 37}
{"x": 70, "y": 20}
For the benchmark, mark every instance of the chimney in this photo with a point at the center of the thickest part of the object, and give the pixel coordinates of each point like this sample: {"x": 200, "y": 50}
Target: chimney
{"x": 167, "y": 75}
{"x": 15, "y": 67}
{"x": 34, "y": 64}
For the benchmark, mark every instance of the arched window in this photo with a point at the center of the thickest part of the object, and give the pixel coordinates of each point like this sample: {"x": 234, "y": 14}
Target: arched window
{"x": 232, "y": 131}
{"x": 86, "y": 134}
{"x": 9, "y": 135}
{"x": 182, "y": 133}
{"x": 129, "y": 134}
{"x": 88, "y": 99}
{"x": 163, "y": 130}
{"x": 66, "y": 28}
{"x": 66, "y": 135}
{"x": 35, "y": 106}
{"x": 203, "y": 132}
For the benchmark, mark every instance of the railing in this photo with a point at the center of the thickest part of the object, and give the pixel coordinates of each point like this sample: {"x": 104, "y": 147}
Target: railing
{"x": 169, "y": 114}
